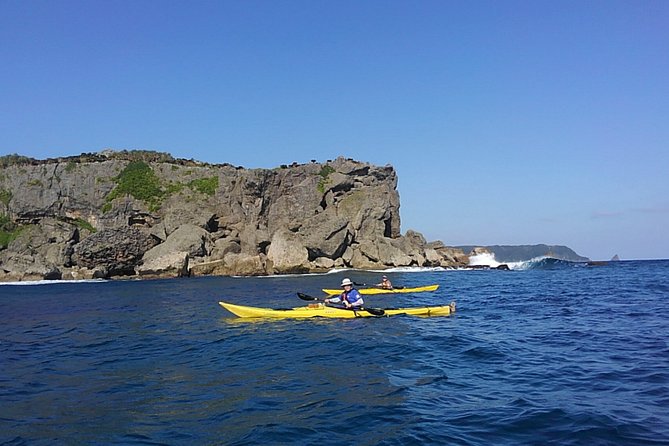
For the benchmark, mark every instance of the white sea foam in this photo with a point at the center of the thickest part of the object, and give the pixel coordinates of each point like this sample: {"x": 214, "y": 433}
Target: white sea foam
{"x": 411, "y": 269}
{"x": 53, "y": 282}
{"x": 488, "y": 259}
{"x": 484, "y": 259}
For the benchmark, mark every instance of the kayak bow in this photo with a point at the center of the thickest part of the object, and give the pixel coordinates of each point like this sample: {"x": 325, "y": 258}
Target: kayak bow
{"x": 418, "y": 289}
{"x": 320, "y": 310}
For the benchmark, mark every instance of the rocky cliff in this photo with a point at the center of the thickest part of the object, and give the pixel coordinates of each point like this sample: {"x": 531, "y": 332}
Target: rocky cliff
{"x": 146, "y": 214}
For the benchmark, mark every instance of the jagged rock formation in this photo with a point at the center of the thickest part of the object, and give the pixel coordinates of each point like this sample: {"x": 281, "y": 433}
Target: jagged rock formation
{"x": 147, "y": 214}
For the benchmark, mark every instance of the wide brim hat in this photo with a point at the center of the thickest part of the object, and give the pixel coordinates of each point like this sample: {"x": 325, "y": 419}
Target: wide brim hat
{"x": 346, "y": 281}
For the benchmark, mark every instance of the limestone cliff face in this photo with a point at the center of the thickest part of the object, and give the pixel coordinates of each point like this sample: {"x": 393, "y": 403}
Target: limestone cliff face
{"x": 120, "y": 213}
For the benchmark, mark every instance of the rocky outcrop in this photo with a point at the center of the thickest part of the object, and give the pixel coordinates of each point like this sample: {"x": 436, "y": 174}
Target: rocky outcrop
{"x": 146, "y": 214}
{"x": 117, "y": 251}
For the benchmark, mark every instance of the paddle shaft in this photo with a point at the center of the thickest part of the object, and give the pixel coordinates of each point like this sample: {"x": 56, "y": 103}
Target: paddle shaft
{"x": 379, "y": 287}
{"x": 374, "y": 311}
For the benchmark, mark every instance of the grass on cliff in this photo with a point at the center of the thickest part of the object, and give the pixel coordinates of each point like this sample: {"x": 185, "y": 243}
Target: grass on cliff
{"x": 8, "y": 231}
{"x": 324, "y": 174}
{"x": 206, "y": 186}
{"x": 5, "y": 196}
{"x": 13, "y": 159}
{"x": 83, "y": 224}
{"x": 140, "y": 181}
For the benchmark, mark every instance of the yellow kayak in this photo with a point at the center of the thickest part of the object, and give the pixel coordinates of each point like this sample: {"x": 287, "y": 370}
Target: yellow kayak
{"x": 320, "y": 310}
{"x": 418, "y": 289}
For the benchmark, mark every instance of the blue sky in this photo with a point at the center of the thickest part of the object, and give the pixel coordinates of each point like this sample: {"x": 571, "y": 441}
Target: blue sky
{"x": 508, "y": 122}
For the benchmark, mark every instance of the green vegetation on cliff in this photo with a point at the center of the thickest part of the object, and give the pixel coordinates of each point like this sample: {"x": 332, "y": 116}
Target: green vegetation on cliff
{"x": 8, "y": 231}
{"x": 12, "y": 159}
{"x": 5, "y": 196}
{"x": 83, "y": 224}
{"x": 206, "y": 186}
{"x": 140, "y": 181}
{"x": 324, "y": 174}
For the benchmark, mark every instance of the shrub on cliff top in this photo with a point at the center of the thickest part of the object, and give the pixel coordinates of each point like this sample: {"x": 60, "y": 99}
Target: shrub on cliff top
{"x": 12, "y": 159}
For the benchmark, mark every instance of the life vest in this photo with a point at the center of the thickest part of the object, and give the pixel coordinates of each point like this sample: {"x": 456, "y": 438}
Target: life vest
{"x": 353, "y": 297}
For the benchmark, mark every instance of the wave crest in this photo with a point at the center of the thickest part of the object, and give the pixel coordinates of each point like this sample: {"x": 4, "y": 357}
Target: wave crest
{"x": 542, "y": 262}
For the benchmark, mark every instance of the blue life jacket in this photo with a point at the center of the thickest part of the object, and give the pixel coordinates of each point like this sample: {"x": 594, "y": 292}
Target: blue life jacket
{"x": 353, "y": 297}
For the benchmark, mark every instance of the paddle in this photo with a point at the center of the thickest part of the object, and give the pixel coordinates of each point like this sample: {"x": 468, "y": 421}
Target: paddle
{"x": 374, "y": 311}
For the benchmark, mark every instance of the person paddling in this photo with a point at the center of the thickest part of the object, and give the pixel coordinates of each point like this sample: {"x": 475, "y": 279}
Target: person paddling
{"x": 351, "y": 298}
{"x": 385, "y": 283}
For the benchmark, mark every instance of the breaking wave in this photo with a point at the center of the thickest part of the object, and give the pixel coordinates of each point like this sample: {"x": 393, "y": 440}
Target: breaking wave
{"x": 542, "y": 262}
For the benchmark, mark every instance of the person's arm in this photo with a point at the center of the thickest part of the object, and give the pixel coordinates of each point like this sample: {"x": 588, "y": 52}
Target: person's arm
{"x": 333, "y": 300}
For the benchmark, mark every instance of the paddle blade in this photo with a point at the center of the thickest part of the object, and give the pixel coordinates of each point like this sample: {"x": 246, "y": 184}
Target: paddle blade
{"x": 375, "y": 311}
{"x": 305, "y": 297}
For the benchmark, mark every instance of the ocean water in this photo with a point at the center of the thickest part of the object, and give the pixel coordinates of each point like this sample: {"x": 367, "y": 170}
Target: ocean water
{"x": 556, "y": 353}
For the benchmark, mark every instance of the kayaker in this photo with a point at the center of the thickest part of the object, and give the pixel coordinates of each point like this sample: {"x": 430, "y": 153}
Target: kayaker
{"x": 351, "y": 298}
{"x": 385, "y": 283}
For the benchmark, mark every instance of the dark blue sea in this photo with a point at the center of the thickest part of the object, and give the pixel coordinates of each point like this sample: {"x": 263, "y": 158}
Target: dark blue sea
{"x": 559, "y": 353}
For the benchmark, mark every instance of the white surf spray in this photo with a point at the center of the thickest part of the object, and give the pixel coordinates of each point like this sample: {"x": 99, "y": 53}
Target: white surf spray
{"x": 53, "y": 282}
{"x": 484, "y": 259}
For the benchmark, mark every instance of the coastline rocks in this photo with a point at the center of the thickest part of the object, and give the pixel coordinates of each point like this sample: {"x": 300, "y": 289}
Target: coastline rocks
{"x": 91, "y": 216}
{"x": 38, "y": 252}
{"x": 286, "y": 254}
{"x": 191, "y": 239}
{"x": 171, "y": 264}
{"x": 326, "y": 235}
{"x": 16, "y": 267}
{"x": 118, "y": 251}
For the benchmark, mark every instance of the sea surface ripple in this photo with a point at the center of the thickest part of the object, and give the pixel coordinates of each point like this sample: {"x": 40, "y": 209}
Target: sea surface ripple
{"x": 566, "y": 355}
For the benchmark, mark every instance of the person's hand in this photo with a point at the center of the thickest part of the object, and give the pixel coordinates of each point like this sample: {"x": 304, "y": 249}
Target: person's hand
{"x": 327, "y": 301}
{"x": 348, "y": 305}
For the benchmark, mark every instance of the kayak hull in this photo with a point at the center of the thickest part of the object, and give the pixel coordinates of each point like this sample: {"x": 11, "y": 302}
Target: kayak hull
{"x": 320, "y": 310}
{"x": 419, "y": 289}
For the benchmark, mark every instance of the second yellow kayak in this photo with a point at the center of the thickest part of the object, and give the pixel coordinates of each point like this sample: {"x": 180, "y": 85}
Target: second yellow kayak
{"x": 418, "y": 289}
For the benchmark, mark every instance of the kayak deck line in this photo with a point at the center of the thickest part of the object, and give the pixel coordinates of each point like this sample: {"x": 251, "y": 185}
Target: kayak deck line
{"x": 376, "y": 290}
{"x": 321, "y": 310}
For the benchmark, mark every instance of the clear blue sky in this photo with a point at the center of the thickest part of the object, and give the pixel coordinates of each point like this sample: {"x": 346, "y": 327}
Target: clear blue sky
{"x": 508, "y": 122}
